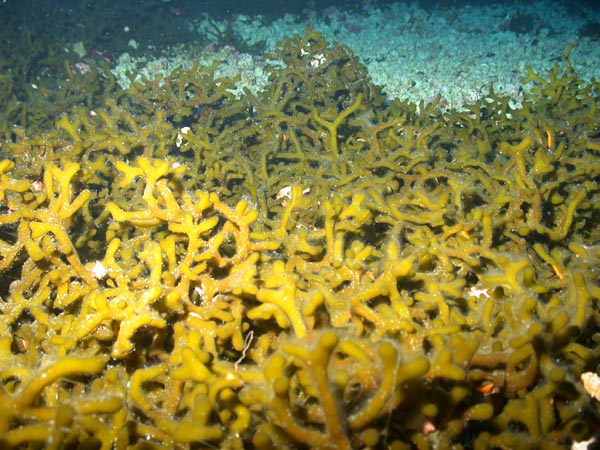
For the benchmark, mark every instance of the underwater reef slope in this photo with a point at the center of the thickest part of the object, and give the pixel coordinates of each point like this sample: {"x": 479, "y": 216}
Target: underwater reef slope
{"x": 307, "y": 267}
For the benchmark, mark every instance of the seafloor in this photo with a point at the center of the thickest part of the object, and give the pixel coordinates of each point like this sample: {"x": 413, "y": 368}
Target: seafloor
{"x": 414, "y": 51}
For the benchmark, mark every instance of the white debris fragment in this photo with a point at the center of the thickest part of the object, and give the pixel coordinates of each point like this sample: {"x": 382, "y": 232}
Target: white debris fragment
{"x": 99, "y": 271}
{"x": 476, "y": 292}
{"x": 179, "y": 138}
{"x": 591, "y": 383}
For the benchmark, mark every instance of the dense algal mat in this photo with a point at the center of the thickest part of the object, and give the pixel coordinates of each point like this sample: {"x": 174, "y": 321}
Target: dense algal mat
{"x": 310, "y": 266}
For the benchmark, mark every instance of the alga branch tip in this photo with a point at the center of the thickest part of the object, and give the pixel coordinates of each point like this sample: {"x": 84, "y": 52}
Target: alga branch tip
{"x": 332, "y": 127}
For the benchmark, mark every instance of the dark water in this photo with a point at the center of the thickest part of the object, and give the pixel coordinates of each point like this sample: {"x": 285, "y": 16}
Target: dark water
{"x": 101, "y": 20}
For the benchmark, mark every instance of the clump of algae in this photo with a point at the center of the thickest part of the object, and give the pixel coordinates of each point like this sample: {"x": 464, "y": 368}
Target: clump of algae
{"x": 304, "y": 268}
